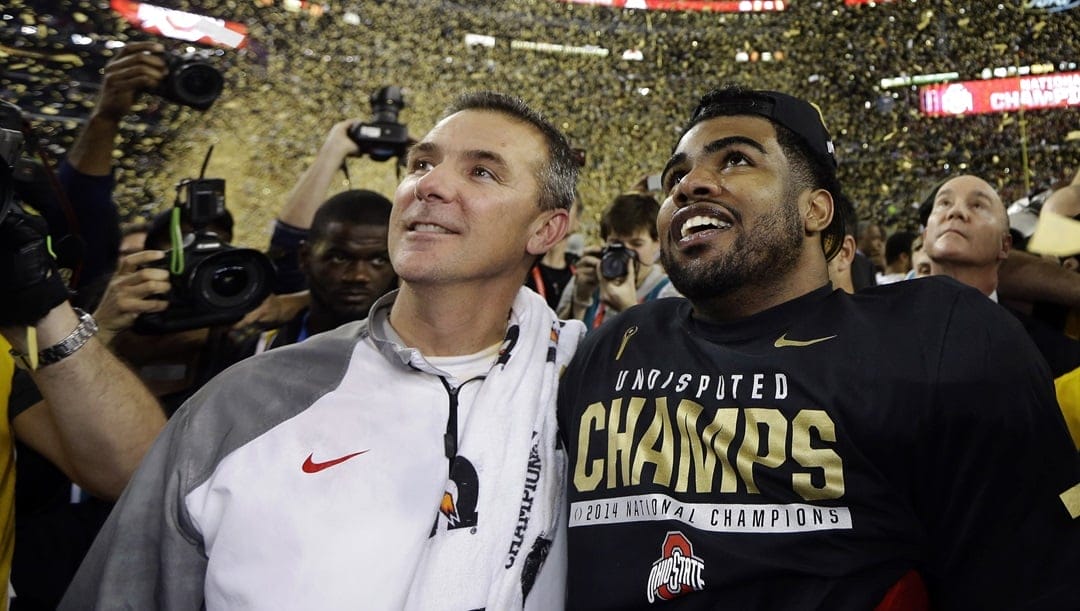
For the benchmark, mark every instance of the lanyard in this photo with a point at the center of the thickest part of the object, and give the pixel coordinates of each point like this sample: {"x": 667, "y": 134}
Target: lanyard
{"x": 538, "y": 281}
{"x": 303, "y": 334}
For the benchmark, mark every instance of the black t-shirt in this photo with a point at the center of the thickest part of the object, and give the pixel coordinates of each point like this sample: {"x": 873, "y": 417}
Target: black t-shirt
{"x": 553, "y": 281}
{"x": 809, "y": 456}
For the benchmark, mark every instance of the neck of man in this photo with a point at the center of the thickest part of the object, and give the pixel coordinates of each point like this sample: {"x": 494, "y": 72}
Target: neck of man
{"x": 452, "y": 320}
{"x": 982, "y": 277}
{"x": 757, "y": 296}
{"x": 321, "y": 318}
{"x": 556, "y": 257}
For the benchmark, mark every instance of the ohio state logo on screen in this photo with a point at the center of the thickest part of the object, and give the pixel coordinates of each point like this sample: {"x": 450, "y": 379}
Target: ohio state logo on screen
{"x": 677, "y": 572}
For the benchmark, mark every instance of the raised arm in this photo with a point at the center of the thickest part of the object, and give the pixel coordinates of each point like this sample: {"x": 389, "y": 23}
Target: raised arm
{"x": 310, "y": 191}
{"x": 137, "y": 67}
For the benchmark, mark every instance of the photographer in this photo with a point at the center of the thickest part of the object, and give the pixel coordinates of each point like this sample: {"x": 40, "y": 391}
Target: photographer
{"x": 293, "y": 224}
{"x": 86, "y": 174}
{"x": 96, "y": 432}
{"x": 345, "y": 264}
{"x": 173, "y": 348}
{"x": 626, "y": 271}
{"x": 381, "y": 139}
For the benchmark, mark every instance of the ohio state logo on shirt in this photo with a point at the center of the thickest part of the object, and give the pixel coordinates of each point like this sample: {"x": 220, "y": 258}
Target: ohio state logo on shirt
{"x": 677, "y": 572}
{"x": 458, "y": 506}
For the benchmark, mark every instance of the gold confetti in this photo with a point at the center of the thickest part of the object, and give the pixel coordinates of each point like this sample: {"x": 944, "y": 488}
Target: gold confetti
{"x": 303, "y": 71}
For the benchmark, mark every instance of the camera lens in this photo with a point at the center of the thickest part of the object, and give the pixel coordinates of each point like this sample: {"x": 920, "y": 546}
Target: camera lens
{"x": 228, "y": 282}
{"x": 198, "y": 84}
{"x": 231, "y": 279}
{"x": 614, "y": 262}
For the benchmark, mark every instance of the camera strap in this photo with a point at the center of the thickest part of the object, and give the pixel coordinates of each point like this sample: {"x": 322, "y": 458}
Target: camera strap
{"x": 176, "y": 263}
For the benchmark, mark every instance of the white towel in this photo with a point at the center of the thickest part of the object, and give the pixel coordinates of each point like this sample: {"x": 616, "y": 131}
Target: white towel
{"x": 512, "y": 425}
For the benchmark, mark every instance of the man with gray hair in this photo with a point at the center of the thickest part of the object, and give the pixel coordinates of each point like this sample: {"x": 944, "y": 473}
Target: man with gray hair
{"x": 408, "y": 461}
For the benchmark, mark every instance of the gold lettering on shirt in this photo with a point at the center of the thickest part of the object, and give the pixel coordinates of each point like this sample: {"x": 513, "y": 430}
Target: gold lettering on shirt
{"x": 621, "y": 440}
{"x": 767, "y": 451}
{"x": 647, "y": 452}
{"x": 825, "y": 459}
{"x": 701, "y": 452}
{"x": 591, "y": 420}
{"x": 695, "y": 454}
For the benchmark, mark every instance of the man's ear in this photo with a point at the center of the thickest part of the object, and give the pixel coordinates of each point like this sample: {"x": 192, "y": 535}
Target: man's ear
{"x": 547, "y": 230}
{"x": 1006, "y": 246}
{"x": 846, "y": 254}
{"x": 819, "y": 211}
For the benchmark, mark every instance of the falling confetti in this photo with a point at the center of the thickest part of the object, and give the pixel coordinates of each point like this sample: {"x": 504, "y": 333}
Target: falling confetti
{"x": 621, "y": 82}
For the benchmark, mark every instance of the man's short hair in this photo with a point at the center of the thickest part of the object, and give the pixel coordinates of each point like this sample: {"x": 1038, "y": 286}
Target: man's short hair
{"x": 802, "y": 136}
{"x": 355, "y": 207}
{"x": 558, "y": 175}
{"x": 630, "y": 213}
{"x": 898, "y": 243}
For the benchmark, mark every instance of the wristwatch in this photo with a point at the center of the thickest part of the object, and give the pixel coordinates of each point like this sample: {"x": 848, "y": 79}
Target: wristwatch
{"x": 59, "y": 351}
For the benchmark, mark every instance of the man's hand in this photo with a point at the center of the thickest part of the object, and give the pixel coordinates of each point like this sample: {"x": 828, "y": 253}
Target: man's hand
{"x": 30, "y": 285}
{"x": 138, "y": 66}
{"x": 132, "y": 292}
{"x": 275, "y": 311}
{"x": 620, "y": 293}
{"x": 338, "y": 143}
{"x": 586, "y": 275}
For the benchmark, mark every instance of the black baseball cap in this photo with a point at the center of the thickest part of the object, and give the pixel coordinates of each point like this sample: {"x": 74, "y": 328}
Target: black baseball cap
{"x": 797, "y": 115}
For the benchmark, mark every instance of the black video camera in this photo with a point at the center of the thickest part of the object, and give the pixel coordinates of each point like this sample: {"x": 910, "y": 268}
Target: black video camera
{"x": 213, "y": 282}
{"x": 383, "y": 137}
{"x": 191, "y": 81}
{"x": 615, "y": 260}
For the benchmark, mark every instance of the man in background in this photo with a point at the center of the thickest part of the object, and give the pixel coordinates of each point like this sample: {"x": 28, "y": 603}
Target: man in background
{"x": 346, "y": 268}
{"x": 967, "y": 238}
{"x": 599, "y": 290}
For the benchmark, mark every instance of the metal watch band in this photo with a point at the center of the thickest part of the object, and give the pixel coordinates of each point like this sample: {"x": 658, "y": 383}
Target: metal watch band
{"x": 78, "y": 337}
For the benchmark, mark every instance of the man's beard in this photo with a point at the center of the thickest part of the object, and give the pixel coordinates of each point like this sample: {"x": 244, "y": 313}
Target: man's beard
{"x": 767, "y": 253}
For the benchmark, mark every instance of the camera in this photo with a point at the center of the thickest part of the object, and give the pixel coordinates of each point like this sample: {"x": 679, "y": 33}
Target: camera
{"x": 615, "y": 260}
{"x": 191, "y": 81}
{"x": 212, "y": 282}
{"x": 11, "y": 145}
{"x": 383, "y": 137}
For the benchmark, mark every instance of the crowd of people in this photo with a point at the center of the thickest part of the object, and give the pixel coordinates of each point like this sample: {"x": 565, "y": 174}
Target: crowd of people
{"x": 741, "y": 390}
{"x": 300, "y": 64}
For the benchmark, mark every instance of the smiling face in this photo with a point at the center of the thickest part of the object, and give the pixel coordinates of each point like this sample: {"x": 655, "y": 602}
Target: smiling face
{"x": 734, "y": 214}
{"x": 968, "y": 225}
{"x": 468, "y": 208}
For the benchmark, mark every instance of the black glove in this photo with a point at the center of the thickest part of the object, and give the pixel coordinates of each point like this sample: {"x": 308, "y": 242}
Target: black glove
{"x": 30, "y": 285}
